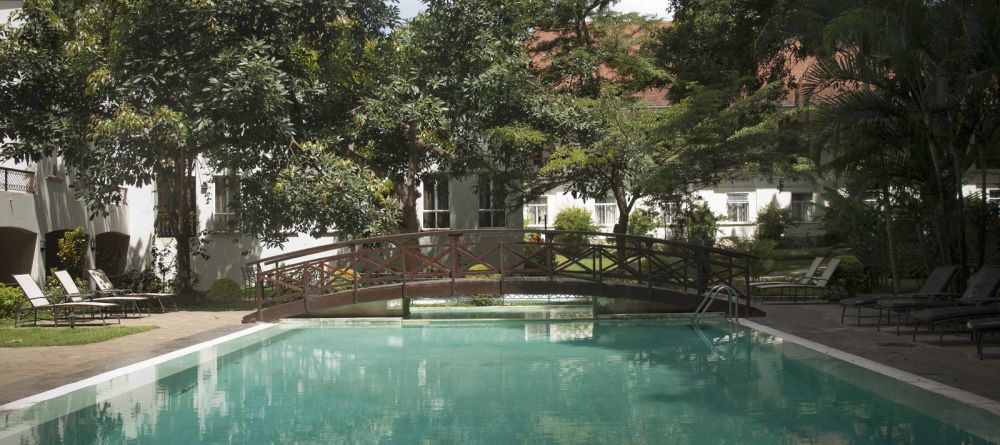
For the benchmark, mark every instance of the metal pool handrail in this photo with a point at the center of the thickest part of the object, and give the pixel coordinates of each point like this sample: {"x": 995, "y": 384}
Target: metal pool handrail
{"x": 732, "y": 302}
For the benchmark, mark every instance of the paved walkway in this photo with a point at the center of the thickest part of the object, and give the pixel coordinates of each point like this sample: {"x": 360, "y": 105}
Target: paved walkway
{"x": 954, "y": 364}
{"x": 28, "y": 371}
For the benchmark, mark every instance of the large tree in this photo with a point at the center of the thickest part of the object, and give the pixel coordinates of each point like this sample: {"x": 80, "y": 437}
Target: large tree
{"x": 444, "y": 82}
{"x": 921, "y": 82}
{"x": 137, "y": 91}
{"x": 599, "y": 131}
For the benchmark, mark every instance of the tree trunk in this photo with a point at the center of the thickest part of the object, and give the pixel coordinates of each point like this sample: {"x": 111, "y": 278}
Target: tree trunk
{"x": 184, "y": 221}
{"x": 963, "y": 246}
{"x": 890, "y": 234}
{"x": 407, "y": 191}
{"x": 984, "y": 215}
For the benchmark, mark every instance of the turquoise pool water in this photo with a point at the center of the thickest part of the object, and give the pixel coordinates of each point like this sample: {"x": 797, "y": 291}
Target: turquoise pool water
{"x": 508, "y": 382}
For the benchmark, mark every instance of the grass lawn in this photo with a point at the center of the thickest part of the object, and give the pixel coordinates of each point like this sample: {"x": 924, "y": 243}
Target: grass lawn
{"x": 51, "y": 336}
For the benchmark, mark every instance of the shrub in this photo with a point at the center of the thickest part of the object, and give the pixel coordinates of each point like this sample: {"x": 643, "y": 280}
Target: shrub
{"x": 575, "y": 219}
{"x": 763, "y": 249}
{"x": 773, "y": 221}
{"x": 851, "y": 275}
{"x": 487, "y": 300}
{"x": 696, "y": 223}
{"x": 145, "y": 280}
{"x": 10, "y": 297}
{"x": 73, "y": 251}
{"x": 482, "y": 267}
{"x": 224, "y": 290}
{"x": 642, "y": 222}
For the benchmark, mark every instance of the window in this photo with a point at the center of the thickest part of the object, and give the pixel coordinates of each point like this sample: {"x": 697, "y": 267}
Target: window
{"x": 224, "y": 217}
{"x": 802, "y": 207}
{"x": 436, "y": 213}
{"x": 538, "y": 212}
{"x": 670, "y": 210}
{"x": 606, "y": 211}
{"x": 738, "y": 207}
{"x": 993, "y": 196}
{"x": 491, "y": 204}
{"x": 168, "y": 205}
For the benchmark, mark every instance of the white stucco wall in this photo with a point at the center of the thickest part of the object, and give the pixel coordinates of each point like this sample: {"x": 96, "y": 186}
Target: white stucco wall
{"x": 759, "y": 194}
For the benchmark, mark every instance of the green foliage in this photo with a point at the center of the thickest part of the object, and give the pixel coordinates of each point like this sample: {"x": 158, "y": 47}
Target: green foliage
{"x": 913, "y": 110}
{"x": 773, "y": 221}
{"x": 224, "y": 290}
{"x": 138, "y": 92}
{"x": 574, "y": 219}
{"x": 762, "y": 249}
{"x": 851, "y": 221}
{"x": 487, "y": 300}
{"x": 482, "y": 267}
{"x": 643, "y": 221}
{"x": 143, "y": 280}
{"x": 851, "y": 276}
{"x": 696, "y": 223}
{"x": 10, "y": 298}
{"x": 73, "y": 251}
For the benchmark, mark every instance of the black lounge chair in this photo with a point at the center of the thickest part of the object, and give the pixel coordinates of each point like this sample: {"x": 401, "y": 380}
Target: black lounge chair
{"x": 819, "y": 286}
{"x": 936, "y": 283}
{"x": 38, "y": 302}
{"x": 804, "y": 279}
{"x": 980, "y": 327}
{"x": 981, "y": 288}
{"x": 979, "y": 301}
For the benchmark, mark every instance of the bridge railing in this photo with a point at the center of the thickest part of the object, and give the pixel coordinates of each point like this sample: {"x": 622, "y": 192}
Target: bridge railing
{"x": 495, "y": 254}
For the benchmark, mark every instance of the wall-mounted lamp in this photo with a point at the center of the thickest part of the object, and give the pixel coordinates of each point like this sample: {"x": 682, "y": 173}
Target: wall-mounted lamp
{"x": 93, "y": 244}
{"x": 41, "y": 245}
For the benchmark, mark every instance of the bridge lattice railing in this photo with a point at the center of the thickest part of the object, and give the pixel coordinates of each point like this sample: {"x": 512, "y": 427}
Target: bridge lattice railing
{"x": 497, "y": 254}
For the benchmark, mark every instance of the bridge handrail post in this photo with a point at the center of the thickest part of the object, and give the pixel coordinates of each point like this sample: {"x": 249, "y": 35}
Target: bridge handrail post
{"x": 259, "y": 290}
{"x": 549, "y": 257}
{"x": 354, "y": 276}
{"x": 453, "y": 254}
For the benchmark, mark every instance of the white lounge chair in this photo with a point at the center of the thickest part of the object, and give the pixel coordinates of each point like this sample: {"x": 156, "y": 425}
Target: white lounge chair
{"x": 104, "y": 286}
{"x": 74, "y": 295}
{"x": 38, "y": 302}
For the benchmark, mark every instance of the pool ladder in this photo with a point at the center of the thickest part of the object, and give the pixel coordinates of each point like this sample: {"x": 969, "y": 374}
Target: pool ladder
{"x": 732, "y": 304}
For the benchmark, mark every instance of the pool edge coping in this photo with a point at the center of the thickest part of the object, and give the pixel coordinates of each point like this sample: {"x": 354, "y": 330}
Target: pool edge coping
{"x": 960, "y": 395}
{"x": 58, "y": 391}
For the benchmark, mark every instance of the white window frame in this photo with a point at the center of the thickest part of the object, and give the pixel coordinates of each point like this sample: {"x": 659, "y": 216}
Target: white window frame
{"x": 436, "y": 208}
{"x": 738, "y": 207}
{"x": 605, "y": 212}
{"x": 538, "y": 212}
{"x": 993, "y": 196}
{"x": 496, "y": 215}
{"x": 223, "y": 216}
{"x": 802, "y": 210}
{"x": 669, "y": 211}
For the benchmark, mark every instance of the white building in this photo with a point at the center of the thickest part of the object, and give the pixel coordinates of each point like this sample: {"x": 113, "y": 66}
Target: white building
{"x": 737, "y": 201}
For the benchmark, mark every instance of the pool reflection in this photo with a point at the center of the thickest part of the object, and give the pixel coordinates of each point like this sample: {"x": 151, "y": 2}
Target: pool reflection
{"x": 507, "y": 382}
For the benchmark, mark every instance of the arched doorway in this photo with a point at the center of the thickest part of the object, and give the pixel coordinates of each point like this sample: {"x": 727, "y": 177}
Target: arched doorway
{"x": 112, "y": 252}
{"x": 19, "y": 252}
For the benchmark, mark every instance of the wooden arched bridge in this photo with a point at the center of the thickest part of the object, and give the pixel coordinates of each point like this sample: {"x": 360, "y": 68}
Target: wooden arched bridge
{"x": 493, "y": 261}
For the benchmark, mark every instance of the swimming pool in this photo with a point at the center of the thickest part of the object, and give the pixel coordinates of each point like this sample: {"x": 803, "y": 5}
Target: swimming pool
{"x": 525, "y": 381}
